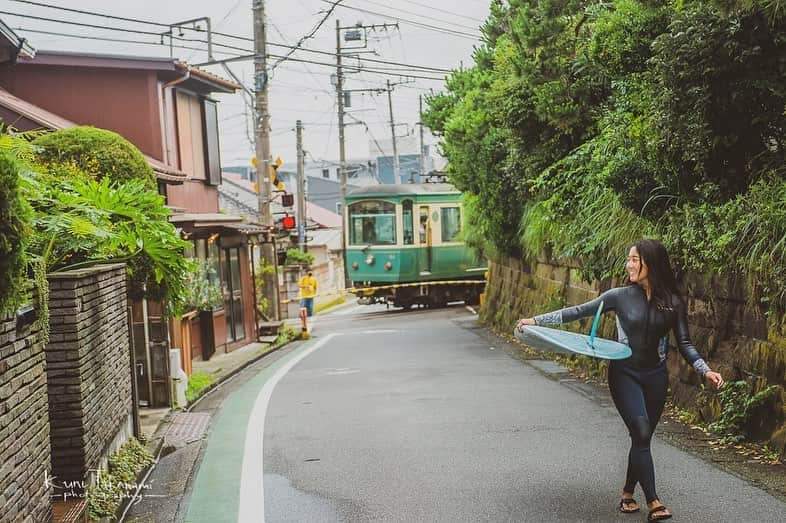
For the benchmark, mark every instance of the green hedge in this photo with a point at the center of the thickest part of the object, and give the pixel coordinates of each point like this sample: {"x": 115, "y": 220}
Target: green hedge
{"x": 15, "y": 219}
{"x": 97, "y": 152}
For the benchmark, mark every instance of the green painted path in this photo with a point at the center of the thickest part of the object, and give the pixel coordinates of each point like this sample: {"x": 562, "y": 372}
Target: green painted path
{"x": 215, "y": 497}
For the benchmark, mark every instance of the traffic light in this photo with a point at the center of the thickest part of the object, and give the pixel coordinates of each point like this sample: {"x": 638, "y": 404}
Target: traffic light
{"x": 288, "y": 222}
{"x": 287, "y": 200}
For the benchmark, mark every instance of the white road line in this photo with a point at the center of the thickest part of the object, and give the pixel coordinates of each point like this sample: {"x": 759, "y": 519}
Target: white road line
{"x": 252, "y": 494}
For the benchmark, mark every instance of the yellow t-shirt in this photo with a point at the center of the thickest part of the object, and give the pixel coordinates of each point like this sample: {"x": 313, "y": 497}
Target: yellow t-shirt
{"x": 308, "y": 287}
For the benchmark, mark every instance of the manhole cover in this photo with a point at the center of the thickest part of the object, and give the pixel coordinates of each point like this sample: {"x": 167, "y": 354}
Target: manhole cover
{"x": 187, "y": 427}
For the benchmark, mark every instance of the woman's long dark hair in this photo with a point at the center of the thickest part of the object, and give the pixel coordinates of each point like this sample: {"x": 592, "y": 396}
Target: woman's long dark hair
{"x": 662, "y": 280}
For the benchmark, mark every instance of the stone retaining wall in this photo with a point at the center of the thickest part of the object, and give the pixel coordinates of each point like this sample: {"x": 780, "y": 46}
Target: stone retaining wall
{"x": 88, "y": 369}
{"x": 24, "y": 425}
{"x": 735, "y": 338}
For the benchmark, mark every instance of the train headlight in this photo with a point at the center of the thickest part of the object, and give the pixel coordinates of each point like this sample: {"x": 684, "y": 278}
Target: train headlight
{"x": 354, "y": 266}
{"x": 370, "y": 259}
{"x": 388, "y": 266}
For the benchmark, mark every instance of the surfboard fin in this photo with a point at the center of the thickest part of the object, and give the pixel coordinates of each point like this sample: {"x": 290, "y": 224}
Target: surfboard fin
{"x": 594, "y": 329}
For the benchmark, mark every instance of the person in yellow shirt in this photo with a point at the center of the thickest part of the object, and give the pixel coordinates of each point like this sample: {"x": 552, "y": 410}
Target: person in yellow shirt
{"x": 308, "y": 289}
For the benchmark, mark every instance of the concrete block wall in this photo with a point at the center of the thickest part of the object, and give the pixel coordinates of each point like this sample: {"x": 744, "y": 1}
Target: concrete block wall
{"x": 88, "y": 369}
{"x": 24, "y": 425}
{"x": 734, "y": 336}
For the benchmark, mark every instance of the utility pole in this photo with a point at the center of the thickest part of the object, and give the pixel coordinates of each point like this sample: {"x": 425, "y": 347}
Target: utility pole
{"x": 422, "y": 163}
{"x": 301, "y": 190}
{"x": 342, "y": 157}
{"x": 262, "y": 145}
{"x": 396, "y": 167}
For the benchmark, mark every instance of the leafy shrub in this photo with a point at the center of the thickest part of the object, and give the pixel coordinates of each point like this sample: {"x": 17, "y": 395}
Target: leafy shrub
{"x": 80, "y": 222}
{"x": 582, "y": 127}
{"x": 202, "y": 292}
{"x": 287, "y": 334}
{"x": 15, "y": 219}
{"x": 119, "y": 481}
{"x": 298, "y": 257}
{"x": 738, "y": 403}
{"x": 97, "y": 152}
{"x": 197, "y": 384}
{"x": 262, "y": 273}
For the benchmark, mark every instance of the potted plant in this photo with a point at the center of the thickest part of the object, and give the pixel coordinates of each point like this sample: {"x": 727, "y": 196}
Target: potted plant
{"x": 203, "y": 295}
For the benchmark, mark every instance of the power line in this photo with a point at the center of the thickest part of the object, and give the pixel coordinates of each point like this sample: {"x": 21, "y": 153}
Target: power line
{"x": 72, "y": 10}
{"x": 372, "y": 60}
{"x": 107, "y": 39}
{"x": 397, "y": 9}
{"x": 158, "y": 34}
{"x": 379, "y": 71}
{"x": 123, "y": 30}
{"x": 458, "y": 34}
{"x": 309, "y": 35}
{"x": 458, "y": 15}
{"x": 402, "y": 72}
{"x": 126, "y": 19}
{"x": 275, "y": 27}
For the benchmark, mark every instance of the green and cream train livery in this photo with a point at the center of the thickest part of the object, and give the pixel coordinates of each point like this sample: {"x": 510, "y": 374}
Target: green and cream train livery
{"x": 403, "y": 244}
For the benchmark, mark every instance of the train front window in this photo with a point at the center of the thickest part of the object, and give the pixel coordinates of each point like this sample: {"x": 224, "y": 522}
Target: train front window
{"x": 372, "y": 223}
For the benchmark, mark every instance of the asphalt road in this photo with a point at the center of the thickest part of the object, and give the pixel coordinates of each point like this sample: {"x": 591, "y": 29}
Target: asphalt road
{"x": 423, "y": 416}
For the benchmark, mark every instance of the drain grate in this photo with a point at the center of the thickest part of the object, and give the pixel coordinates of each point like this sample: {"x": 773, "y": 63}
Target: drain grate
{"x": 187, "y": 427}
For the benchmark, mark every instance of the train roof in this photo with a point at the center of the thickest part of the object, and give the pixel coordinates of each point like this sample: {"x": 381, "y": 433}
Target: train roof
{"x": 404, "y": 188}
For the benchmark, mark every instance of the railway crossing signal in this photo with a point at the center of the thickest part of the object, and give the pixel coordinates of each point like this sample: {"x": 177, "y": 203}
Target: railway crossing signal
{"x": 288, "y": 222}
{"x": 274, "y": 179}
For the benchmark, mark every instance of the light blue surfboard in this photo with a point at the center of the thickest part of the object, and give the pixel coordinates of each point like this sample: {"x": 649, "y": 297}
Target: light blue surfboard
{"x": 564, "y": 342}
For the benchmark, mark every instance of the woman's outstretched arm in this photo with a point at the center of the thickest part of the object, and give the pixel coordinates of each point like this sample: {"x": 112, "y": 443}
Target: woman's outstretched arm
{"x": 576, "y": 312}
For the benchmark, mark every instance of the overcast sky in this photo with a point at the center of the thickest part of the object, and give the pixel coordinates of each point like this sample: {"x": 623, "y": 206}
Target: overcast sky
{"x": 297, "y": 90}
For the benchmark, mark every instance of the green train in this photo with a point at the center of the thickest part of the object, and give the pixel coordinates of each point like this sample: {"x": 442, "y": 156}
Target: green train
{"x": 410, "y": 234}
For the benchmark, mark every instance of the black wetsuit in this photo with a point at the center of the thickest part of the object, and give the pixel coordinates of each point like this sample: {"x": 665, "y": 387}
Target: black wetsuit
{"x": 638, "y": 384}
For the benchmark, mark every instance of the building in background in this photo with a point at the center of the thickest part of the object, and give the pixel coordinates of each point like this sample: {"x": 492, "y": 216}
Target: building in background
{"x": 408, "y": 149}
{"x": 322, "y": 237}
{"x": 163, "y": 106}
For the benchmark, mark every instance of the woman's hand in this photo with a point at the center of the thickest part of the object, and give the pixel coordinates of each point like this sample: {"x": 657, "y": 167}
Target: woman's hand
{"x": 524, "y": 321}
{"x": 714, "y": 378}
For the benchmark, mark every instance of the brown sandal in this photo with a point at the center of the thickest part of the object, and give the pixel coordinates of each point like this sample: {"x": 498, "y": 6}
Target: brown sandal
{"x": 624, "y": 503}
{"x": 653, "y": 515}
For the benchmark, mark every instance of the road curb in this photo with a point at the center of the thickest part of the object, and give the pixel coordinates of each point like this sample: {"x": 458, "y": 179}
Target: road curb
{"x": 234, "y": 372}
{"x": 156, "y": 442}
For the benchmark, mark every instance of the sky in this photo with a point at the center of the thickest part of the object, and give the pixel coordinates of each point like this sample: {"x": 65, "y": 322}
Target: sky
{"x": 438, "y": 34}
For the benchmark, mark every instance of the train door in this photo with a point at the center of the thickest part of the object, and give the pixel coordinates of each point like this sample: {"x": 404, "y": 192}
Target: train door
{"x": 424, "y": 240}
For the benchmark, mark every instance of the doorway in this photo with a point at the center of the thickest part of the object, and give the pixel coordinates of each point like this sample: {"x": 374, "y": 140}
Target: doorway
{"x": 232, "y": 291}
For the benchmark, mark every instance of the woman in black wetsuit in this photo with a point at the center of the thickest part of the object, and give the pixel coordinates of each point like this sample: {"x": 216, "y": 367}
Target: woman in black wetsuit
{"x": 647, "y": 308}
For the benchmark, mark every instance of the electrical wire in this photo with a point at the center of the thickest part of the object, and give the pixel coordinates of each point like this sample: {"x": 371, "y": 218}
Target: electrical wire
{"x": 458, "y": 15}
{"x": 398, "y": 9}
{"x": 292, "y": 49}
{"x": 309, "y": 35}
{"x": 458, "y": 34}
{"x": 120, "y": 40}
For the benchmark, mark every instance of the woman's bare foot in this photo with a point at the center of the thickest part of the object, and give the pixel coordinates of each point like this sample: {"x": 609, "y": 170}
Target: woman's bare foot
{"x": 628, "y": 504}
